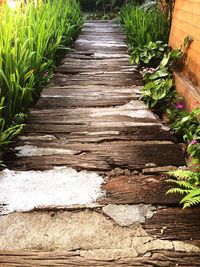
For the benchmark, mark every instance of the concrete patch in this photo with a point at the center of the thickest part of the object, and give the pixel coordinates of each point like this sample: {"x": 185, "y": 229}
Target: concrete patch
{"x": 24, "y": 191}
{"x": 125, "y": 215}
{"x": 90, "y": 232}
{"x": 85, "y": 230}
{"x": 184, "y": 247}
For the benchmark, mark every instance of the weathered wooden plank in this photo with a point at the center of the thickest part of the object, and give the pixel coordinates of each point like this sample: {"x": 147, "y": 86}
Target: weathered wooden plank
{"x": 102, "y": 156}
{"x": 69, "y": 69}
{"x": 86, "y": 89}
{"x": 136, "y": 189}
{"x": 135, "y": 111}
{"x": 101, "y": 33}
{"x": 86, "y": 96}
{"x": 126, "y": 75}
{"x": 96, "y": 63}
{"x": 107, "y": 38}
{"x": 100, "y": 48}
{"x": 39, "y": 258}
{"x": 82, "y": 101}
{"x": 99, "y": 132}
{"x": 139, "y": 131}
{"x": 102, "y": 30}
{"x": 69, "y": 120}
{"x": 96, "y": 137}
{"x": 95, "y": 55}
{"x": 108, "y": 65}
{"x": 78, "y": 68}
{"x": 175, "y": 223}
{"x": 113, "y": 79}
{"x": 99, "y": 24}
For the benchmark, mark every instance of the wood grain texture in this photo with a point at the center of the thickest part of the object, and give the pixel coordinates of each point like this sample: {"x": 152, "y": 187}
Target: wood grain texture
{"x": 175, "y": 224}
{"x": 101, "y": 156}
{"x": 37, "y": 258}
{"x": 136, "y": 189}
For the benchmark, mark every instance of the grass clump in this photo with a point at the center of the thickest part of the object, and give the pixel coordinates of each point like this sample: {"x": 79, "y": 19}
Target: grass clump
{"x": 30, "y": 36}
{"x": 142, "y": 26}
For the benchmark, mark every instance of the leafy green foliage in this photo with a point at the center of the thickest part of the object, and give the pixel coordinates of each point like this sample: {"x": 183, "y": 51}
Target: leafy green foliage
{"x": 193, "y": 150}
{"x": 159, "y": 90}
{"x": 30, "y": 35}
{"x": 166, "y": 7}
{"x": 150, "y": 54}
{"x": 142, "y": 27}
{"x": 187, "y": 183}
{"x": 185, "y": 123}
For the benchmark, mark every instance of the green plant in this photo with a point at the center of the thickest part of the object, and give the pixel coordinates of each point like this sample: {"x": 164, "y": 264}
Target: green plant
{"x": 185, "y": 123}
{"x": 187, "y": 126}
{"x": 142, "y": 27}
{"x": 30, "y": 35}
{"x": 159, "y": 91}
{"x": 7, "y": 135}
{"x": 193, "y": 150}
{"x": 165, "y": 6}
{"x": 149, "y": 54}
{"x": 187, "y": 183}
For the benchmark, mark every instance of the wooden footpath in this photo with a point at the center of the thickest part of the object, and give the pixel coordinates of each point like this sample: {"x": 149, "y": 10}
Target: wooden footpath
{"x": 91, "y": 118}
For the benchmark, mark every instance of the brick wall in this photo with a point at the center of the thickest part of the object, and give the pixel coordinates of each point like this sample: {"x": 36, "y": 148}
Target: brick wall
{"x": 186, "y": 21}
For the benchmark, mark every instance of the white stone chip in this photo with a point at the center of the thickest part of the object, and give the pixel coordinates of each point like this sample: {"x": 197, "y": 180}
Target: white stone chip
{"x": 125, "y": 215}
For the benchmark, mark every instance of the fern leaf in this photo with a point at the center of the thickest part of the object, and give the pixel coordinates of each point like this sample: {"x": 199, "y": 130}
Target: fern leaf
{"x": 185, "y": 184}
{"x": 192, "y": 194}
{"x": 181, "y": 174}
{"x": 192, "y": 202}
{"x": 182, "y": 184}
{"x": 177, "y": 190}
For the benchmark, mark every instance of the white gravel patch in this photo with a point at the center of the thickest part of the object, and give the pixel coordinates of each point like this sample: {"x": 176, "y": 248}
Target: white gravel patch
{"x": 24, "y": 191}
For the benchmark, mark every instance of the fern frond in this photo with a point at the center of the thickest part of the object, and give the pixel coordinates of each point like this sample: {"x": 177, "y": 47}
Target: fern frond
{"x": 182, "y": 184}
{"x": 188, "y": 184}
{"x": 173, "y": 181}
{"x": 181, "y": 174}
{"x": 185, "y": 185}
{"x": 192, "y": 194}
{"x": 177, "y": 191}
{"x": 192, "y": 202}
